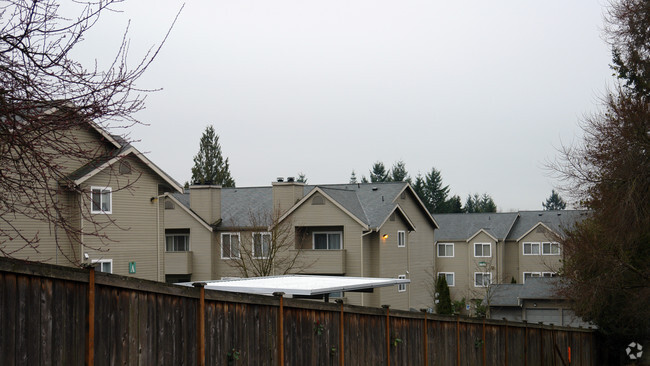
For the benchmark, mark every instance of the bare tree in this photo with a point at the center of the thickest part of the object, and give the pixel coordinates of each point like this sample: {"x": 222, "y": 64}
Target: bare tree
{"x": 268, "y": 248}
{"x": 45, "y": 94}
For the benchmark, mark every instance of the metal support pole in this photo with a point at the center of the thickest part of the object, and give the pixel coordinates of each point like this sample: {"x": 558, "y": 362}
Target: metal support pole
{"x": 200, "y": 323}
{"x": 387, "y": 307}
{"x": 280, "y": 328}
{"x": 90, "y": 336}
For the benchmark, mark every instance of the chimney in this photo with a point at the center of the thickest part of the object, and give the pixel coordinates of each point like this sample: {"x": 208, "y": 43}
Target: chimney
{"x": 205, "y": 200}
{"x": 286, "y": 194}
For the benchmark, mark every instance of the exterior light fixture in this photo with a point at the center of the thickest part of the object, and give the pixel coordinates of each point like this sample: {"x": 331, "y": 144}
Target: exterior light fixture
{"x": 385, "y": 236}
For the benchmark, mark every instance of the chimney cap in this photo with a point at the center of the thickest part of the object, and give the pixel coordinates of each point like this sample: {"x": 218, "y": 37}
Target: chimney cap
{"x": 291, "y": 179}
{"x": 280, "y": 179}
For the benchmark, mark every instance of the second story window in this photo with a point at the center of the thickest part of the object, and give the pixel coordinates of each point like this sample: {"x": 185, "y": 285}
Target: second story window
{"x": 401, "y": 287}
{"x": 328, "y": 240}
{"x": 531, "y": 248}
{"x": 261, "y": 245}
{"x": 177, "y": 240}
{"x": 229, "y": 245}
{"x": 401, "y": 239}
{"x": 445, "y": 249}
{"x": 551, "y": 248}
{"x": 482, "y": 250}
{"x": 101, "y": 200}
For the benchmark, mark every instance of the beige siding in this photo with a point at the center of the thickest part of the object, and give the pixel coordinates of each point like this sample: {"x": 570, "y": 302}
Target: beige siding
{"x": 458, "y": 266}
{"x": 537, "y": 263}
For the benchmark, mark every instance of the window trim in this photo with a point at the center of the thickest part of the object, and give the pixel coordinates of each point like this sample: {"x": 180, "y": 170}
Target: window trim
{"x": 539, "y": 274}
{"x": 532, "y": 243}
{"x": 482, "y": 251}
{"x": 178, "y": 251}
{"x": 110, "y": 200}
{"x": 483, "y": 273}
{"x": 313, "y": 239}
{"x": 453, "y": 278}
{"x": 550, "y": 247}
{"x": 262, "y": 234}
{"x": 238, "y": 242}
{"x": 101, "y": 261}
{"x": 453, "y": 250}
{"x": 401, "y": 287}
{"x": 552, "y": 274}
{"x": 401, "y": 233}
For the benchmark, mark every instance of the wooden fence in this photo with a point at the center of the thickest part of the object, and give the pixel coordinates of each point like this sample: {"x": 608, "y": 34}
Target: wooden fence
{"x": 52, "y": 315}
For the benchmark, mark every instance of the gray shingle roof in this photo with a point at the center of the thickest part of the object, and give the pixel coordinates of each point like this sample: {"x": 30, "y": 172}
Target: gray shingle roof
{"x": 457, "y": 227}
{"x": 555, "y": 220}
{"x": 250, "y": 206}
{"x": 535, "y": 288}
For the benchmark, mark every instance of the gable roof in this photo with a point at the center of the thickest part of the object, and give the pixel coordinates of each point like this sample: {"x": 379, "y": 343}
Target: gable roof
{"x": 464, "y": 226}
{"x": 535, "y": 288}
{"x": 556, "y": 221}
{"x": 180, "y": 200}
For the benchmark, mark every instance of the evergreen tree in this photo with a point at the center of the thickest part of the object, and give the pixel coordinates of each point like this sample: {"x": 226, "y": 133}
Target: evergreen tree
{"x": 364, "y": 179}
{"x": 444, "y": 299}
{"x": 418, "y": 187}
{"x": 302, "y": 178}
{"x": 554, "y": 202}
{"x": 353, "y": 178}
{"x": 399, "y": 173}
{"x": 454, "y": 205}
{"x": 379, "y": 173}
{"x": 209, "y": 165}
{"x": 480, "y": 203}
{"x": 435, "y": 193}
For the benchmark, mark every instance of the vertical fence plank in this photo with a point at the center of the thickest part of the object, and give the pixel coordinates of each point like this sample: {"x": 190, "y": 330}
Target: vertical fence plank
{"x": 90, "y": 336}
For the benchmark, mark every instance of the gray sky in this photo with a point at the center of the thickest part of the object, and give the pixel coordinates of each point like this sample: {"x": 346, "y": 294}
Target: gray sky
{"x": 484, "y": 91}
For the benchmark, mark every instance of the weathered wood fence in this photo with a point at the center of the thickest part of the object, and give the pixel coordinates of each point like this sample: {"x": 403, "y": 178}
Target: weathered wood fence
{"x": 51, "y": 315}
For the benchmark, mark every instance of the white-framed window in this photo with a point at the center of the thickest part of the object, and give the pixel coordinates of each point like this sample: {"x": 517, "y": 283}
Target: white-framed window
{"x": 445, "y": 249}
{"x": 449, "y": 277}
{"x": 551, "y": 248}
{"x": 482, "y": 279}
{"x": 401, "y": 239}
{"x": 101, "y": 200}
{"x": 261, "y": 245}
{"x": 103, "y": 265}
{"x": 327, "y": 240}
{"x": 531, "y": 248}
{"x": 549, "y": 274}
{"x": 528, "y": 275}
{"x": 229, "y": 245}
{"x": 401, "y": 287}
{"x": 177, "y": 241}
{"x": 482, "y": 249}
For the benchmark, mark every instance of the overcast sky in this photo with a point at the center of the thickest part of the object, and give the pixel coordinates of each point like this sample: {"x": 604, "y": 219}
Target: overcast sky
{"x": 484, "y": 91}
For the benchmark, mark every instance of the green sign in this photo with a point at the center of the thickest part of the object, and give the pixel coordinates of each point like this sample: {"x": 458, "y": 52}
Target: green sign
{"x": 481, "y": 264}
{"x": 131, "y": 267}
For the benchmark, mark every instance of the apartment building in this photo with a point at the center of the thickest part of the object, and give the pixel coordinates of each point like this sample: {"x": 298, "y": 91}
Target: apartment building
{"x": 474, "y": 251}
{"x": 360, "y": 230}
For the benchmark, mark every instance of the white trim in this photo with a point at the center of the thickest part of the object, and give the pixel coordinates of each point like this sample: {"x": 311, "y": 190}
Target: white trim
{"x": 404, "y": 215}
{"x": 110, "y": 200}
{"x": 178, "y": 251}
{"x": 559, "y": 251}
{"x": 532, "y": 274}
{"x": 403, "y": 238}
{"x": 552, "y": 274}
{"x": 453, "y": 251}
{"x": 453, "y": 278}
{"x": 484, "y": 232}
{"x": 190, "y": 212}
{"x": 401, "y": 287}
{"x": 313, "y": 239}
{"x": 421, "y": 204}
{"x": 262, "y": 234}
{"x": 482, "y": 245}
{"x": 238, "y": 243}
{"x": 483, "y": 273}
{"x": 533, "y": 228}
{"x": 532, "y": 243}
{"x": 103, "y": 261}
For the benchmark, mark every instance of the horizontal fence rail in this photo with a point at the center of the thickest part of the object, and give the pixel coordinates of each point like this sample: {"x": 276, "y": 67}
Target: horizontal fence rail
{"x": 53, "y": 315}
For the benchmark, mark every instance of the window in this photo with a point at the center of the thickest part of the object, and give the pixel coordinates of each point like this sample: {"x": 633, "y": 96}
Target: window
{"x": 531, "y": 274}
{"x": 177, "y": 241}
{"x": 551, "y": 248}
{"x": 531, "y": 248}
{"x": 482, "y": 279}
{"x": 327, "y": 241}
{"x": 549, "y": 274}
{"x": 318, "y": 200}
{"x": 229, "y": 245}
{"x": 445, "y": 249}
{"x": 401, "y": 239}
{"x": 261, "y": 245}
{"x": 103, "y": 265}
{"x": 482, "y": 249}
{"x": 401, "y": 287}
{"x": 100, "y": 199}
{"x": 449, "y": 277}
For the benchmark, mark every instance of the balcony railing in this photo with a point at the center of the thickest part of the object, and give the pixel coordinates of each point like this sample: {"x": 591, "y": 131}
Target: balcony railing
{"x": 178, "y": 262}
{"x": 322, "y": 261}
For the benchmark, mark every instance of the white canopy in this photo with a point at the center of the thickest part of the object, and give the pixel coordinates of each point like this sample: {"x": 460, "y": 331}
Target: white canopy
{"x": 302, "y": 285}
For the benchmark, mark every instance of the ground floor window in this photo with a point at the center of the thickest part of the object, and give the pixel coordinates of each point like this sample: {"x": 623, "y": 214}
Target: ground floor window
{"x": 482, "y": 279}
{"x": 103, "y": 265}
{"x": 449, "y": 277}
{"x": 177, "y": 240}
{"x": 401, "y": 287}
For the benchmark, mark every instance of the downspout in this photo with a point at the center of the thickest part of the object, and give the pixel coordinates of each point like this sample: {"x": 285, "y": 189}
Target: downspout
{"x": 408, "y": 266}
{"x": 157, "y": 200}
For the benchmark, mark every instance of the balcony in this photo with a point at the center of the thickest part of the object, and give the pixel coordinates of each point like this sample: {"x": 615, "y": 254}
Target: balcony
{"x": 178, "y": 262}
{"x": 322, "y": 261}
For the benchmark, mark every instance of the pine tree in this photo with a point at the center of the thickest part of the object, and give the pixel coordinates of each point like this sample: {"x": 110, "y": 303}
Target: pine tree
{"x": 480, "y": 203}
{"x": 435, "y": 193}
{"x": 444, "y": 299}
{"x": 379, "y": 173}
{"x": 209, "y": 165}
{"x": 399, "y": 173}
{"x": 302, "y": 178}
{"x": 554, "y": 202}
{"x": 353, "y": 178}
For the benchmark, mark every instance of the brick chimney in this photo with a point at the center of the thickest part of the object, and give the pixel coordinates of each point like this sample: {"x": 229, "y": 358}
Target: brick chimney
{"x": 286, "y": 194}
{"x": 205, "y": 200}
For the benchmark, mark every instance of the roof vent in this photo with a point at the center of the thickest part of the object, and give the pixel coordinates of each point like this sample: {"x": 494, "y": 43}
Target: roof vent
{"x": 291, "y": 179}
{"x": 280, "y": 179}
{"x": 374, "y": 188}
